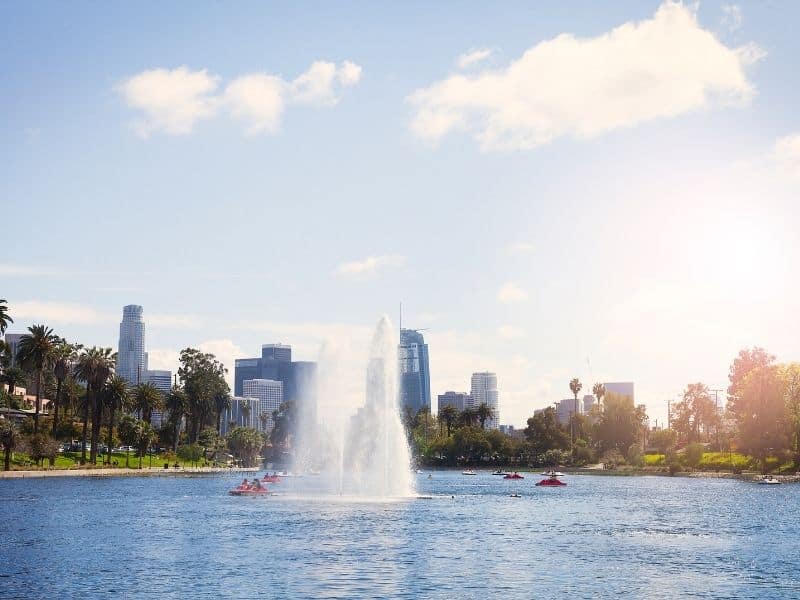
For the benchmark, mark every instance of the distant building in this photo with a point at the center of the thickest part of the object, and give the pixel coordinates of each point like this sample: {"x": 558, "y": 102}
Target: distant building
{"x": 507, "y": 429}
{"x": 622, "y": 388}
{"x": 239, "y": 414}
{"x": 163, "y": 381}
{"x": 458, "y": 400}
{"x": 484, "y": 390}
{"x": 566, "y": 408}
{"x": 588, "y": 402}
{"x": 414, "y": 370}
{"x": 12, "y": 341}
{"x": 131, "y": 362}
{"x": 266, "y": 395}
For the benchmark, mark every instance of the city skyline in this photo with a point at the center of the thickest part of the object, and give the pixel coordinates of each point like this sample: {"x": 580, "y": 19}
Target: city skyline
{"x": 607, "y": 231}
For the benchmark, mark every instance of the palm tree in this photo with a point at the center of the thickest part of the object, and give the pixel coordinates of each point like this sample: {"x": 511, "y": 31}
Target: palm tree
{"x": 599, "y": 390}
{"x": 575, "y": 386}
{"x": 448, "y": 414}
{"x": 13, "y": 376}
{"x": 5, "y": 320}
{"x": 94, "y": 366}
{"x": 245, "y": 408}
{"x": 484, "y": 412}
{"x": 115, "y": 396}
{"x": 9, "y": 439}
{"x": 147, "y": 398}
{"x": 35, "y": 351}
{"x": 222, "y": 402}
{"x": 469, "y": 416}
{"x": 63, "y": 357}
{"x": 264, "y": 418}
{"x": 177, "y": 404}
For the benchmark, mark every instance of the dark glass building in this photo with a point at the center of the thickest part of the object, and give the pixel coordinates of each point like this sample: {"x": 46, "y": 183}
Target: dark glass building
{"x": 414, "y": 371}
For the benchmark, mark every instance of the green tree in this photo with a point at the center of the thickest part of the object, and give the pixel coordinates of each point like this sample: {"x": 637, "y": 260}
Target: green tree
{"x": 244, "y": 412}
{"x": 147, "y": 398}
{"x": 470, "y": 444}
{"x": 10, "y": 439}
{"x": 468, "y": 417}
{"x": 663, "y": 440}
{"x": 177, "y": 404}
{"x": 245, "y": 443}
{"x": 484, "y": 412}
{"x": 222, "y": 402}
{"x": 129, "y": 433}
{"x": 575, "y": 387}
{"x": 448, "y": 416}
{"x": 115, "y": 397}
{"x": 64, "y": 356}
{"x": 693, "y": 454}
{"x": 35, "y": 352}
{"x": 599, "y": 390}
{"x": 763, "y": 420}
{"x": 544, "y": 432}
{"x": 94, "y": 366}
{"x": 5, "y": 319}
{"x": 791, "y": 379}
{"x": 14, "y": 376}
{"x": 284, "y": 420}
{"x": 620, "y": 424}
{"x": 202, "y": 376}
{"x": 695, "y": 413}
{"x": 190, "y": 453}
{"x": 747, "y": 361}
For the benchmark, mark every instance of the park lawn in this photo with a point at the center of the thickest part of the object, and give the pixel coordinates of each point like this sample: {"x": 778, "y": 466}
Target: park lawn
{"x": 725, "y": 461}
{"x": 71, "y": 460}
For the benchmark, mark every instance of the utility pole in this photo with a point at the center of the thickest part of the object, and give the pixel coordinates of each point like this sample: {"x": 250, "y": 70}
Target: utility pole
{"x": 717, "y": 418}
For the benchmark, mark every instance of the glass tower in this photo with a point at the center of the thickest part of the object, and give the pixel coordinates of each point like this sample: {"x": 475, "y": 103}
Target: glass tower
{"x": 484, "y": 391}
{"x": 414, "y": 370}
{"x": 131, "y": 362}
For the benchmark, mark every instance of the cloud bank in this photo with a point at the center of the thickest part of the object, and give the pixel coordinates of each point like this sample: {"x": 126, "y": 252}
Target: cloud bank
{"x": 173, "y": 101}
{"x": 582, "y": 87}
{"x": 369, "y": 266}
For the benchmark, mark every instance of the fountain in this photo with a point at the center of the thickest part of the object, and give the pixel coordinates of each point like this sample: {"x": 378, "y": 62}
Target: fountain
{"x": 360, "y": 449}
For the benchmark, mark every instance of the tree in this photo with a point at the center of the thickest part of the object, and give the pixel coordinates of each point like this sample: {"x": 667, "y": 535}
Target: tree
{"x": 10, "y": 439}
{"x": 94, "y": 366}
{"x": 575, "y": 386}
{"x": 222, "y": 402}
{"x": 791, "y": 380}
{"x": 696, "y": 412}
{"x": 35, "y": 352}
{"x": 209, "y": 439}
{"x": 484, "y": 412}
{"x": 663, "y": 440}
{"x": 620, "y": 425}
{"x": 448, "y": 415}
{"x": 5, "y": 319}
{"x": 468, "y": 417}
{"x": 599, "y": 390}
{"x": 471, "y": 444}
{"x": 747, "y": 361}
{"x": 202, "y": 376}
{"x": 544, "y": 432}
{"x": 147, "y": 398}
{"x": 63, "y": 358}
{"x": 283, "y": 424}
{"x": 115, "y": 397}
{"x": 190, "y": 453}
{"x": 41, "y": 446}
{"x": 244, "y": 411}
{"x": 177, "y": 405}
{"x": 245, "y": 443}
{"x": 762, "y": 416}
{"x": 13, "y": 376}
{"x": 129, "y": 431}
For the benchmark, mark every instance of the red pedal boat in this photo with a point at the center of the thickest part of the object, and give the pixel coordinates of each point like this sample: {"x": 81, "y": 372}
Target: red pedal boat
{"x": 240, "y": 491}
{"x": 513, "y": 476}
{"x": 552, "y": 481}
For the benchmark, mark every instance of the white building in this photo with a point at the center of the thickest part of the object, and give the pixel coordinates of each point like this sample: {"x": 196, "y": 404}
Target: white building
{"x": 163, "y": 381}
{"x": 265, "y": 396}
{"x": 484, "y": 390}
{"x": 131, "y": 361}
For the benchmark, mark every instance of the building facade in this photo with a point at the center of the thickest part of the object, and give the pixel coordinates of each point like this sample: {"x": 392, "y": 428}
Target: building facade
{"x": 484, "y": 391}
{"x": 265, "y": 396}
{"x": 414, "y": 371}
{"x": 131, "y": 361}
{"x": 622, "y": 388}
{"x": 12, "y": 341}
{"x": 458, "y": 400}
{"x": 163, "y": 381}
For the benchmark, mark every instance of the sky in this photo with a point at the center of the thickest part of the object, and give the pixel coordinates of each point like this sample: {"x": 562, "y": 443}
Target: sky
{"x": 603, "y": 191}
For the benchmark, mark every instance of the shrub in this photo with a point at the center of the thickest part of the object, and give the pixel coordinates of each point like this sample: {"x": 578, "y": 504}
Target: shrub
{"x": 634, "y": 455}
{"x": 653, "y": 460}
{"x": 693, "y": 454}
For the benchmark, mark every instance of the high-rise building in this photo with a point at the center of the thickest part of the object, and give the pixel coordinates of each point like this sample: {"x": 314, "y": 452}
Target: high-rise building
{"x": 131, "y": 362}
{"x": 275, "y": 363}
{"x": 414, "y": 370}
{"x": 622, "y": 388}
{"x": 458, "y": 400}
{"x": 484, "y": 391}
{"x": 266, "y": 396}
{"x": 12, "y": 341}
{"x": 163, "y": 381}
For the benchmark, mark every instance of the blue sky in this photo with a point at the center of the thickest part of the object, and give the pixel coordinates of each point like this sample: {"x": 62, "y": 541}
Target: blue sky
{"x": 607, "y": 193}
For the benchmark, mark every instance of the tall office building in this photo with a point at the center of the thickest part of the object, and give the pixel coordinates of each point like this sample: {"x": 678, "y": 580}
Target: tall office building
{"x": 12, "y": 341}
{"x": 484, "y": 391}
{"x": 131, "y": 362}
{"x": 265, "y": 395}
{"x": 163, "y": 381}
{"x": 458, "y": 400}
{"x": 414, "y": 370}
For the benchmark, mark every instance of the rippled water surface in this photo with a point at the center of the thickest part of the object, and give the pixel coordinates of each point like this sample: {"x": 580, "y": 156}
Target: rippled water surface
{"x": 182, "y": 537}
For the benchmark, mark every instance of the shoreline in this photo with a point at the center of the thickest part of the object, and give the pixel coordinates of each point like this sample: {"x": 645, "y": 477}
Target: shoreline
{"x": 125, "y": 472}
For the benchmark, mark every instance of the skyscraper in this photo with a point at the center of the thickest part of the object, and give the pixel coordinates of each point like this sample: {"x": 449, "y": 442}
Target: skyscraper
{"x": 457, "y": 400}
{"x": 484, "y": 391}
{"x": 131, "y": 363}
{"x": 414, "y": 370}
{"x": 265, "y": 396}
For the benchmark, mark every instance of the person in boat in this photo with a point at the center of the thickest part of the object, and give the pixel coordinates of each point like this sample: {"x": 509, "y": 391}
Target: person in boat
{"x": 245, "y": 485}
{"x": 256, "y": 485}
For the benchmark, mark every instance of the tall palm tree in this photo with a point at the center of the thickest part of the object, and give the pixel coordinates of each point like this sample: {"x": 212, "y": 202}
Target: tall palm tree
{"x": 264, "y": 418}
{"x": 599, "y": 390}
{"x": 35, "y": 351}
{"x": 64, "y": 356}
{"x": 222, "y": 402}
{"x": 469, "y": 416}
{"x": 115, "y": 396}
{"x": 448, "y": 414}
{"x": 245, "y": 408}
{"x": 177, "y": 405}
{"x": 95, "y": 365}
{"x": 5, "y": 320}
{"x": 13, "y": 376}
{"x": 575, "y": 386}
{"x": 484, "y": 412}
{"x": 147, "y": 398}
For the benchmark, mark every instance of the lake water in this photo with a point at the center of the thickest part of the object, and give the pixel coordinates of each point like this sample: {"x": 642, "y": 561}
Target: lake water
{"x": 184, "y": 537}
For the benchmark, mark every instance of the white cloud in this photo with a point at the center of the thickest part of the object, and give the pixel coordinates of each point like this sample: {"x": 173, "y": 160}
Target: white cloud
{"x": 473, "y": 57}
{"x": 370, "y": 265}
{"x": 509, "y": 332}
{"x": 173, "y": 101}
{"x": 786, "y": 155}
{"x": 511, "y": 292}
{"x": 172, "y": 321}
{"x": 568, "y": 86}
{"x": 521, "y": 248}
{"x": 59, "y": 313}
{"x": 732, "y": 16}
